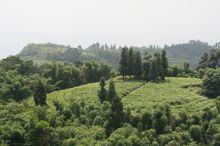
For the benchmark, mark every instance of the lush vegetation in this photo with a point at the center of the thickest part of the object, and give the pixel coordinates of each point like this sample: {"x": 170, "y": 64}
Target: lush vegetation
{"x": 76, "y": 116}
{"x": 18, "y": 77}
{"x": 84, "y": 103}
{"x": 177, "y": 54}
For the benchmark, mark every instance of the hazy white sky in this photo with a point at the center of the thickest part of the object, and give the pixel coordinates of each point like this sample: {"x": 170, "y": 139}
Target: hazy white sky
{"x": 120, "y": 22}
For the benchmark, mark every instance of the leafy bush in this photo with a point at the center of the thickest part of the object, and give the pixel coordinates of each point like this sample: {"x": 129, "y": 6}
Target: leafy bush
{"x": 211, "y": 83}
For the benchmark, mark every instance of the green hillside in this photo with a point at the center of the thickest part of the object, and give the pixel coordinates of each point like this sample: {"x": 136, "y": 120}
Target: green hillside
{"x": 179, "y": 93}
{"x": 141, "y": 97}
{"x": 64, "y": 104}
{"x": 81, "y": 123}
{"x": 177, "y": 54}
{"x": 172, "y": 92}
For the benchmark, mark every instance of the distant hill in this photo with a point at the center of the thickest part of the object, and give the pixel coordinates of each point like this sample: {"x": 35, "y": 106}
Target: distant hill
{"x": 177, "y": 54}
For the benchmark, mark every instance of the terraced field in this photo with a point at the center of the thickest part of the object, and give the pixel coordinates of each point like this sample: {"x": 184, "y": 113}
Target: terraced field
{"x": 140, "y": 97}
{"x": 172, "y": 92}
{"x": 88, "y": 92}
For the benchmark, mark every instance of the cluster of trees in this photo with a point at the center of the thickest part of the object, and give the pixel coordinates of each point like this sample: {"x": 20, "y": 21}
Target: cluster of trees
{"x": 18, "y": 78}
{"x": 210, "y": 61}
{"x": 208, "y": 67}
{"x": 116, "y": 117}
{"x": 54, "y": 52}
{"x": 189, "y": 52}
{"x": 211, "y": 83}
{"x": 152, "y": 68}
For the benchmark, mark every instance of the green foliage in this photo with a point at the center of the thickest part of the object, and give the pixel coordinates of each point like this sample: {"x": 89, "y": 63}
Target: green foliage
{"x": 42, "y": 135}
{"x": 14, "y": 86}
{"x": 146, "y": 66}
{"x": 160, "y": 121}
{"x": 147, "y": 120}
{"x": 157, "y": 113}
{"x": 102, "y": 93}
{"x": 211, "y": 83}
{"x": 210, "y": 61}
{"x": 164, "y": 64}
{"x": 177, "y": 54}
{"x": 216, "y": 141}
{"x": 94, "y": 71}
{"x": 131, "y": 62}
{"x": 123, "y": 68}
{"x": 138, "y": 69}
{"x": 15, "y": 63}
{"x": 117, "y": 116}
{"x": 154, "y": 73}
{"x": 18, "y": 78}
{"x": 111, "y": 91}
{"x": 40, "y": 93}
{"x": 196, "y": 133}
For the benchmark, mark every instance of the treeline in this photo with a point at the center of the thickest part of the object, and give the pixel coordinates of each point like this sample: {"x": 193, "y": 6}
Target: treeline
{"x": 18, "y": 77}
{"x": 210, "y": 61}
{"x": 189, "y": 52}
{"x": 150, "y": 68}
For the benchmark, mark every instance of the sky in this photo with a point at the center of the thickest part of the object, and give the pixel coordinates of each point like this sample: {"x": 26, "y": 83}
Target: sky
{"x": 120, "y": 22}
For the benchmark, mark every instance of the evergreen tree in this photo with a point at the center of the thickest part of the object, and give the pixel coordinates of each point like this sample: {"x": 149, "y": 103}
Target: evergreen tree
{"x": 111, "y": 91}
{"x": 102, "y": 92}
{"x": 160, "y": 121}
{"x": 204, "y": 62}
{"x": 213, "y": 59}
{"x": 131, "y": 62}
{"x": 117, "y": 116}
{"x": 186, "y": 67}
{"x": 164, "y": 65}
{"x": 153, "y": 75}
{"x": 138, "y": 66}
{"x": 146, "y": 65}
{"x": 124, "y": 62}
{"x": 40, "y": 93}
{"x": 159, "y": 67}
{"x": 147, "y": 120}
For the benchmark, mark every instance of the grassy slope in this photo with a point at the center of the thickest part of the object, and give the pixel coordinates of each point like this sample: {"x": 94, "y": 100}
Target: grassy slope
{"x": 139, "y": 97}
{"x": 88, "y": 92}
{"x": 172, "y": 93}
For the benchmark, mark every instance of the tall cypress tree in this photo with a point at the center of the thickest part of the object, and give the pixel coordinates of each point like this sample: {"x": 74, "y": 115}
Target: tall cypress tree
{"x": 102, "y": 92}
{"x": 158, "y": 62}
{"x": 146, "y": 65}
{"x": 40, "y": 93}
{"x": 153, "y": 75}
{"x": 111, "y": 91}
{"x": 138, "y": 66}
{"x": 164, "y": 65}
{"x": 117, "y": 116}
{"x": 213, "y": 59}
{"x": 131, "y": 62}
{"x": 123, "y": 68}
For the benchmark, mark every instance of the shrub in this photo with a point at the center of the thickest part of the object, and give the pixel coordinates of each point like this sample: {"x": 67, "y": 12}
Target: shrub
{"x": 196, "y": 133}
{"x": 211, "y": 83}
{"x": 70, "y": 142}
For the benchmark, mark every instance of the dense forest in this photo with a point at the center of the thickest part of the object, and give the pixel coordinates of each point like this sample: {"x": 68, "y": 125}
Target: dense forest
{"x": 73, "y": 98}
{"x": 177, "y": 54}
